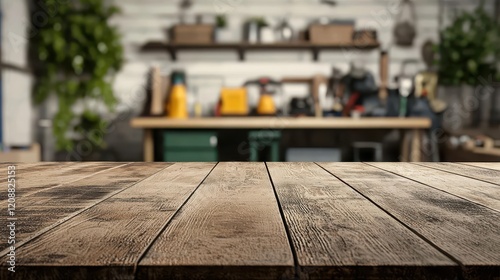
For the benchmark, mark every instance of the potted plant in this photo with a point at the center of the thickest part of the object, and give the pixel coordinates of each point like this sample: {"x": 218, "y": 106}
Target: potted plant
{"x": 222, "y": 32}
{"x": 74, "y": 57}
{"x": 468, "y": 56}
{"x": 266, "y": 33}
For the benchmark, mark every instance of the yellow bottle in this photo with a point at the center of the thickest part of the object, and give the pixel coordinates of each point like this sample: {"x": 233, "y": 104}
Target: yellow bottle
{"x": 177, "y": 102}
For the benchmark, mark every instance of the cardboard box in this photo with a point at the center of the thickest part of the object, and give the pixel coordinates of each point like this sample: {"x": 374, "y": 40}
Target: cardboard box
{"x": 337, "y": 33}
{"x": 193, "y": 34}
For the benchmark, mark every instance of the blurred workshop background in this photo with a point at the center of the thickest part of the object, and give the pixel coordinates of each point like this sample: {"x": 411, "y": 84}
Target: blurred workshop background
{"x": 250, "y": 80}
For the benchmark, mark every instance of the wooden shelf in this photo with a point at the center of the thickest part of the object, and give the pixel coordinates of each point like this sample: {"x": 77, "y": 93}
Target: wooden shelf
{"x": 281, "y": 123}
{"x": 241, "y": 48}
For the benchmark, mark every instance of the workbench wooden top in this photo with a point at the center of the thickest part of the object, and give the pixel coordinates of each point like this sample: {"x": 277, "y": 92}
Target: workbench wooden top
{"x": 282, "y": 123}
{"x": 255, "y": 221}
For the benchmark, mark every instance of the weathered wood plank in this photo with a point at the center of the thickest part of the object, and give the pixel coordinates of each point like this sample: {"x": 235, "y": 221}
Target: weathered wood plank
{"x": 488, "y": 165}
{"x": 31, "y": 178}
{"x": 337, "y": 233}
{"x": 112, "y": 234}
{"x": 230, "y": 229}
{"x": 28, "y": 168}
{"x": 41, "y": 210}
{"x": 487, "y": 175}
{"x": 480, "y": 192}
{"x": 466, "y": 231}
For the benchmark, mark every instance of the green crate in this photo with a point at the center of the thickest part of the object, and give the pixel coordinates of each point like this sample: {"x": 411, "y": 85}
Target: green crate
{"x": 191, "y": 155}
{"x": 190, "y": 139}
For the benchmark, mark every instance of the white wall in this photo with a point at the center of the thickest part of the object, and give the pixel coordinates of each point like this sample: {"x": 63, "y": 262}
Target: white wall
{"x": 146, "y": 20}
{"x": 16, "y": 85}
{"x": 142, "y": 21}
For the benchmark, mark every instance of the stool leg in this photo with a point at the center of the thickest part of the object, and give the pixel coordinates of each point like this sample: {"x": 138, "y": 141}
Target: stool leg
{"x": 275, "y": 151}
{"x": 378, "y": 154}
{"x": 254, "y": 154}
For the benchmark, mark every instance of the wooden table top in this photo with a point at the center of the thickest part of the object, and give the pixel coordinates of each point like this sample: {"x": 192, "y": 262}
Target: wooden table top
{"x": 282, "y": 123}
{"x": 254, "y": 221}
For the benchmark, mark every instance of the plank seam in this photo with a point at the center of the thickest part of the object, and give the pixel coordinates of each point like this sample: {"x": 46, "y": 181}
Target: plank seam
{"x": 287, "y": 228}
{"x": 451, "y": 257}
{"x": 164, "y": 227}
{"x": 67, "y": 218}
{"x": 451, "y": 172}
{"x": 76, "y": 180}
{"x": 470, "y": 165}
{"x": 452, "y": 194}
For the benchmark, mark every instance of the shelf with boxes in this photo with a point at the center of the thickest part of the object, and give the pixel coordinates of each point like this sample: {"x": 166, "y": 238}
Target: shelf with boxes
{"x": 318, "y": 37}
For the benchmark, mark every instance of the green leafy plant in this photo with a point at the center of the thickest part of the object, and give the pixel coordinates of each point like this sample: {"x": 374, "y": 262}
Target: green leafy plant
{"x": 75, "y": 54}
{"x": 469, "y": 49}
{"x": 221, "y": 21}
{"x": 260, "y": 21}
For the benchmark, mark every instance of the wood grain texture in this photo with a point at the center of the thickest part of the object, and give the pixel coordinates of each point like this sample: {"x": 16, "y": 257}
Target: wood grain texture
{"x": 230, "y": 229}
{"x": 35, "y": 177}
{"x": 480, "y": 192}
{"x": 29, "y": 168}
{"x": 283, "y": 123}
{"x": 483, "y": 174}
{"x": 488, "y": 165}
{"x": 468, "y": 232}
{"x": 339, "y": 234}
{"x": 38, "y": 211}
{"x": 113, "y": 233}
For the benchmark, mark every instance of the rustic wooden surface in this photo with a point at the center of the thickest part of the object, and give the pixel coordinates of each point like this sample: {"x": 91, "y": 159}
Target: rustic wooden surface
{"x": 255, "y": 221}
{"x": 283, "y": 123}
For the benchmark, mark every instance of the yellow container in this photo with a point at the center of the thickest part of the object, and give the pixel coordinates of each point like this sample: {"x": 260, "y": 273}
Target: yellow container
{"x": 234, "y": 102}
{"x": 266, "y": 105}
{"x": 177, "y": 103}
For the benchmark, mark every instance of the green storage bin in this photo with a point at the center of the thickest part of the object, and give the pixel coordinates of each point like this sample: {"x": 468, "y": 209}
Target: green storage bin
{"x": 197, "y": 155}
{"x": 190, "y": 146}
{"x": 190, "y": 139}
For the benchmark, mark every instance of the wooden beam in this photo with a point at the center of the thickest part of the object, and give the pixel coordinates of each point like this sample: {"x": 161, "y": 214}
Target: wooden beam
{"x": 282, "y": 123}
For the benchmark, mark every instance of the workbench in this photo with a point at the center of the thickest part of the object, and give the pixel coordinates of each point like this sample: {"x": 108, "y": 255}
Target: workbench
{"x": 254, "y": 221}
{"x": 411, "y": 147}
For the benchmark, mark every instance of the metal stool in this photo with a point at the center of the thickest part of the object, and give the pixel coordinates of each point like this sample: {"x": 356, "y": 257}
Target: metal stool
{"x": 262, "y": 139}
